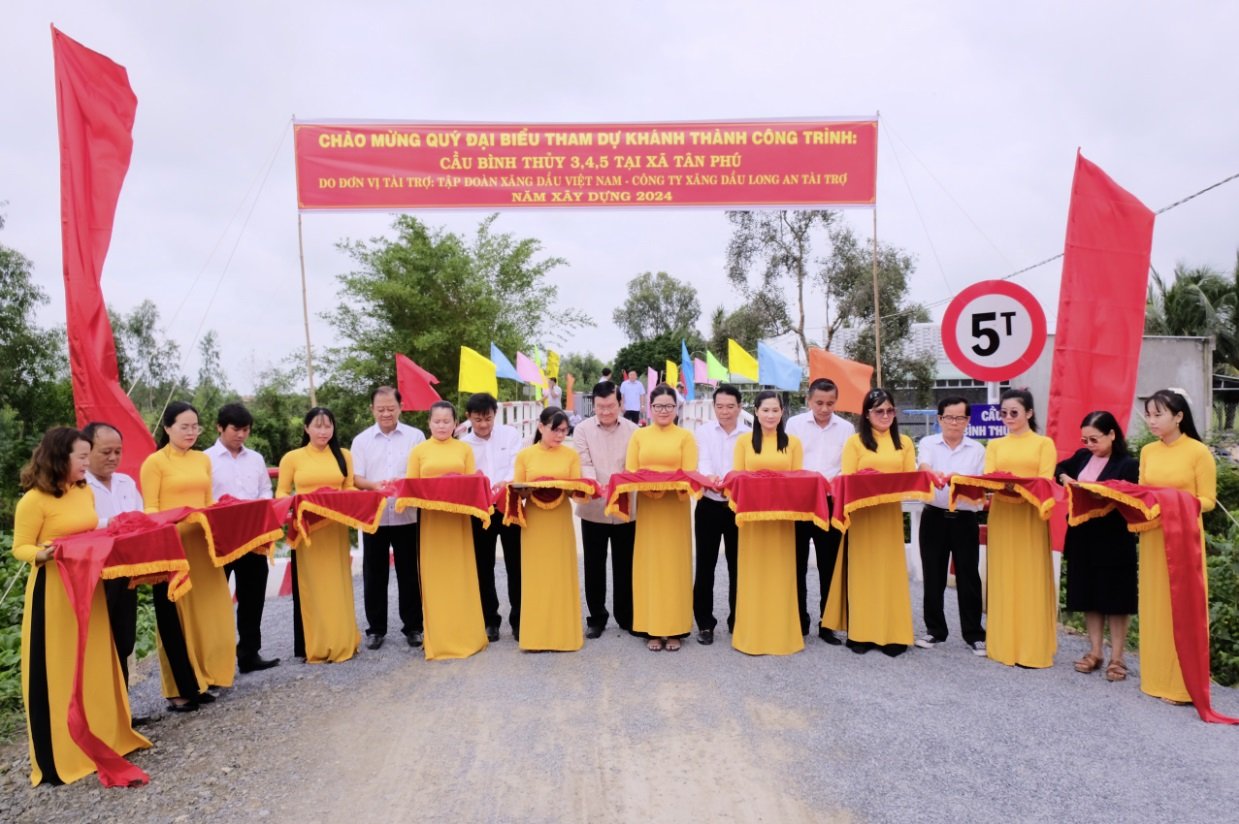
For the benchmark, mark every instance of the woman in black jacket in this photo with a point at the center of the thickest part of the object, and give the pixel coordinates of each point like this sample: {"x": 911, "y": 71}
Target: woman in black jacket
{"x": 1101, "y": 553}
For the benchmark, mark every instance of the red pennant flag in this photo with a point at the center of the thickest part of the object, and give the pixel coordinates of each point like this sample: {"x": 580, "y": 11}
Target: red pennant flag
{"x": 1096, "y": 358}
{"x": 95, "y": 107}
{"x": 414, "y": 383}
{"x": 852, "y": 377}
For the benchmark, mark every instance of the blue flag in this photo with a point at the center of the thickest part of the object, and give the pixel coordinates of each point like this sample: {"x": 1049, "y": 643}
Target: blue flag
{"x": 503, "y": 366}
{"x": 686, "y": 369}
{"x": 777, "y": 370}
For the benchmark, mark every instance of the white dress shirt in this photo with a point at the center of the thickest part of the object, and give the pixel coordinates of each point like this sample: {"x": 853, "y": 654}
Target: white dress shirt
{"x": 823, "y": 445}
{"x": 380, "y": 456}
{"x": 242, "y": 476}
{"x": 496, "y": 456}
{"x": 122, "y": 497}
{"x": 632, "y": 392}
{"x": 968, "y": 458}
{"x": 716, "y": 450}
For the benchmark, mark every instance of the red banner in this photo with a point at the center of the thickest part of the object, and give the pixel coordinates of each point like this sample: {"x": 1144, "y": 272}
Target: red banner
{"x": 731, "y": 164}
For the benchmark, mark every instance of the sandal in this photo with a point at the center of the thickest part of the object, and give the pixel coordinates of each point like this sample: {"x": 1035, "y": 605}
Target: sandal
{"x": 1089, "y": 663}
{"x": 673, "y": 645}
{"x": 1117, "y": 671}
{"x": 654, "y": 644}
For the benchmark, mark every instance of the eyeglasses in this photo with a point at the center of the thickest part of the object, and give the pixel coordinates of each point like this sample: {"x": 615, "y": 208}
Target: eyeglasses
{"x": 953, "y": 418}
{"x": 1010, "y": 413}
{"x": 882, "y": 413}
{"x": 663, "y": 407}
{"x": 1092, "y": 440}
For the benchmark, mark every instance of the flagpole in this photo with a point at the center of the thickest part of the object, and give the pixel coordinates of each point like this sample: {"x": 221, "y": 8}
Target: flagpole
{"x": 305, "y": 314}
{"x": 877, "y": 309}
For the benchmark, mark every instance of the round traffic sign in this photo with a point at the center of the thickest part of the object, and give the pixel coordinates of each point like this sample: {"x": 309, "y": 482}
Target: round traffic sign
{"x": 993, "y": 330}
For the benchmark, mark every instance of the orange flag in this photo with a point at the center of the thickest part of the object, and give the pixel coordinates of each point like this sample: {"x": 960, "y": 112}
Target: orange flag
{"x": 569, "y": 399}
{"x": 853, "y": 378}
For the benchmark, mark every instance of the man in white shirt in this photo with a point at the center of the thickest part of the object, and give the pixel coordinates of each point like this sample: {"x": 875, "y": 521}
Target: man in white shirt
{"x": 494, "y": 450}
{"x": 602, "y": 441}
{"x": 944, "y": 533}
{"x": 241, "y": 472}
{"x": 631, "y": 392}
{"x": 714, "y": 520}
{"x": 554, "y": 395}
{"x": 115, "y": 492}
{"x": 822, "y": 434}
{"x": 381, "y": 454}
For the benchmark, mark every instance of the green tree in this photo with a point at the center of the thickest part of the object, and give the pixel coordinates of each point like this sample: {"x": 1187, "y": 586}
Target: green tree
{"x": 425, "y": 293}
{"x": 657, "y": 304}
{"x": 746, "y": 326}
{"x": 585, "y": 367}
{"x": 278, "y": 406}
{"x": 149, "y": 361}
{"x": 655, "y": 353}
{"x": 212, "y": 389}
{"x": 777, "y": 246}
{"x": 848, "y": 278}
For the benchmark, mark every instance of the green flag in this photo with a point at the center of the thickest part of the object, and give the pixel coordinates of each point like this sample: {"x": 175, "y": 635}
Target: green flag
{"x": 716, "y": 371}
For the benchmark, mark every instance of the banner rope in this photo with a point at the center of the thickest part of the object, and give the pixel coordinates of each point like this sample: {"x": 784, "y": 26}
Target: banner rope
{"x": 206, "y": 312}
{"x": 1040, "y": 263}
{"x": 919, "y": 216}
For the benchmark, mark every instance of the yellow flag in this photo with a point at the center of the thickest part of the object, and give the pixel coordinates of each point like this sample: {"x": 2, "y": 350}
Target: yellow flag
{"x": 477, "y": 373}
{"x": 740, "y": 362}
{"x": 552, "y": 364}
{"x": 673, "y": 373}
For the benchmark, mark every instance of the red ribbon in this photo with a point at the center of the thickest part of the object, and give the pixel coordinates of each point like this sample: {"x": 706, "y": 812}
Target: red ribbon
{"x": 307, "y": 512}
{"x": 871, "y": 488}
{"x": 647, "y": 480}
{"x": 132, "y": 542}
{"x": 767, "y": 495}
{"x": 1178, "y": 512}
{"x": 1041, "y": 493}
{"x": 458, "y": 494}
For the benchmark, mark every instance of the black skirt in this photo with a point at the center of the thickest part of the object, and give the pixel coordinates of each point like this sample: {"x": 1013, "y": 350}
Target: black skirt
{"x": 1101, "y": 567}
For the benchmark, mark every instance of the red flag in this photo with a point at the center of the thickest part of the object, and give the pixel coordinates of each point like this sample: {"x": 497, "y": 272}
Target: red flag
{"x": 416, "y": 394}
{"x": 95, "y": 107}
{"x": 1109, "y": 239}
{"x": 1096, "y": 357}
{"x": 852, "y": 377}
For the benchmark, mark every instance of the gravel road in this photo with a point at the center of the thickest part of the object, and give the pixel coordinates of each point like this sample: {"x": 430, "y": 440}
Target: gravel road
{"x": 616, "y": 733}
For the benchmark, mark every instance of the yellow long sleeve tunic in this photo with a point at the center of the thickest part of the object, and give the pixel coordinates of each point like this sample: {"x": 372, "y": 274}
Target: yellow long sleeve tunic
{"x": 323, "y": 569}
{"x": 550, "y": 583}
{"x": 170, "y": 478}
{"x": 1185, "y": 464}
{"x": 879, "y": 606}
{"x": 767, "y": 615}
{"x": 662, "y": 561}
{"x": 451, "y": 600}
{"x": 49, "y": 647}
{"x": 1023, "y": 608}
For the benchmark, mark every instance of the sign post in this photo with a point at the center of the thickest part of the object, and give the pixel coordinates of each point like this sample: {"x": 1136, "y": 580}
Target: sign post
{"x": 993, "y": 331}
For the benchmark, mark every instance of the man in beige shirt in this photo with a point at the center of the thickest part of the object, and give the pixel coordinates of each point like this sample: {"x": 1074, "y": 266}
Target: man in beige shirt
{"x": 602, "y": 441}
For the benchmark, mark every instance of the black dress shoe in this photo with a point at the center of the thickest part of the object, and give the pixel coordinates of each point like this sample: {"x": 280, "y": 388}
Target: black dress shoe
{"x": 188, "y": 706}
{"x": 893, "y": 650}
{"x": 139, "y": 721}
{"x": 492, "y": 634}
{"x": 254, "y": 663}
{"x": 416, "y": 638}
{"x": 374, "y": 642}
{"x": 593, "y": 632}
{"x": 829, "y": 637}
{"x": 705, "y": 637}
{"x": 204, "y": 698}
{"x": 859, "y": 647}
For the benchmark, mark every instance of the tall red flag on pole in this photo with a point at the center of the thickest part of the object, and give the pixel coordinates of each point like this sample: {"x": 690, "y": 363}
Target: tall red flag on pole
{"x": 1097, "y": 355}
{"x": 414, "y": 383}
{"x": 95, "y": 107}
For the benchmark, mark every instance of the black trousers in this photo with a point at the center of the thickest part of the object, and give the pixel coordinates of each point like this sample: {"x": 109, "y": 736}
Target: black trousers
{"x": 123, "y": 616}
{"x": 172, "y": 639}
{"x": 826, "y": 545}
{"x": 942, "y": 535}
{"x": 634, "y": 416}
{"x": 250, "y": 571}
{"x": 402, "y": 541}
{"x": 484, "y": 540}
{"x": 594, "y": 540}
{"x": 714, "y": 521}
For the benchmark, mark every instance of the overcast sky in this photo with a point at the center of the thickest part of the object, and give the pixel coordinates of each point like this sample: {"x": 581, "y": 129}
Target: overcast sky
{"x": 983, "y": 106}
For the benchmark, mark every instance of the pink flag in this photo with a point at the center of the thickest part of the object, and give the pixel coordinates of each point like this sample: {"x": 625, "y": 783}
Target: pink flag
{"x": 651, "y": 380}
{"x": 529, "y": 371}
{"x": 700, "y": 371}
